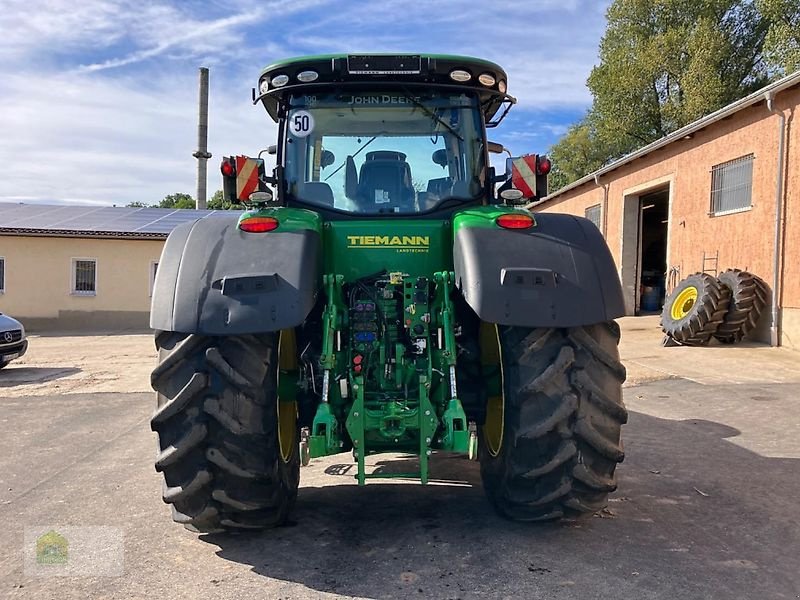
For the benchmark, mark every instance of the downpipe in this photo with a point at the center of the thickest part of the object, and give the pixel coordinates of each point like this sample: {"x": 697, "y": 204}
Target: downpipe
{"x": 774, "y": 339}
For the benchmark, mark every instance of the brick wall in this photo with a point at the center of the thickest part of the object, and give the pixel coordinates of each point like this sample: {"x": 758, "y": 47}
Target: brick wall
{"x": 744, "y": 240}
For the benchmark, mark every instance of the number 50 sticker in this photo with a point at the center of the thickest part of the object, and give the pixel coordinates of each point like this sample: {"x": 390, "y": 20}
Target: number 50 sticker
{"x": 301, "y": 123}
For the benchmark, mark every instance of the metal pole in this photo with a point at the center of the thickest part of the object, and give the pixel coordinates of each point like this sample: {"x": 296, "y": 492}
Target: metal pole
{"x": 202, "y": 155}
{"x": 774, "y": 330}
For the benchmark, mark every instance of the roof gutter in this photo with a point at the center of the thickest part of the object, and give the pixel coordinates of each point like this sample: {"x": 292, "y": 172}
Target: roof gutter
{"x": 774, "y": 337}
{"x": 754, "y": 98}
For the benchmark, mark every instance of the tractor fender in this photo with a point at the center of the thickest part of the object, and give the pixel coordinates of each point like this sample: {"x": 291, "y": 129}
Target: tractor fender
{"x": 558, "y": 273}
{"x": 214, "y": 279}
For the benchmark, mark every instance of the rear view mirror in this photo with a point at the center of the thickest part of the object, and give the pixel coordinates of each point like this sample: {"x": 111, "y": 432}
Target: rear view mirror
{"x": 326, "y": 159}
{"x": 440, "y": 157}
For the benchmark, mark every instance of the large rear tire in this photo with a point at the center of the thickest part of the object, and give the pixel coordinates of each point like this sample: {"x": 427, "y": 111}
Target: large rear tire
{"x": 748, "y": 299}
{"x": 562, "y": 415}
{"x": 225, "y": 464}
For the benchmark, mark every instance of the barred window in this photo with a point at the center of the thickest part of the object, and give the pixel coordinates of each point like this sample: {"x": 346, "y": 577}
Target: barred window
{"x": 593, "y": 214}
{"x": 732, "y": 186}
{"x": 84, "y": 276}
{"x": 2, "y": 275}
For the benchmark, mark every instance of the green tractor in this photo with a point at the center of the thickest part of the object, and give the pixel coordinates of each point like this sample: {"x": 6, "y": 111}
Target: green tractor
{"x": 390, "y": 295}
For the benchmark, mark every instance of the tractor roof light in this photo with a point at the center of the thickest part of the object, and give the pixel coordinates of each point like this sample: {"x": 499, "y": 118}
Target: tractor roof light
{"x": 307, "y": 76}
{"x": 279, "y": 80}
{"x": 460, "y": 75}
{"x": 263, "y": 87}
{"x": 515, "y": 221}
{"x": 258, "y": 224}
{"x": 486, "y": 79}
{"x": 501, "y": 87}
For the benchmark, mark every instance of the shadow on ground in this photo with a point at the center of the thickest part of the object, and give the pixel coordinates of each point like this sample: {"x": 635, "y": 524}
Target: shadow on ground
{"x": 695, "y": 516}
{"x": 11, "y": 375}
{"x": 56, "y": 333}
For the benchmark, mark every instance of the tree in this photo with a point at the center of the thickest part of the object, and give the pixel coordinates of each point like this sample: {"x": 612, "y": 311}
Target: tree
{"x": 177, "y": 200}
{"x": 219, "y": 202}
{"x": 581, "y": 151}
{"x": 137, "y": 204}
{"x": 663, "y": 64}
{"x": 782, "y": 45}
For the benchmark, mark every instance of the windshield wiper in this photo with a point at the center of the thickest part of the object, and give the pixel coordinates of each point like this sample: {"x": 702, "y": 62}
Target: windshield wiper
{"x": 353, "y": 156}
{"x": 431, "y": 114}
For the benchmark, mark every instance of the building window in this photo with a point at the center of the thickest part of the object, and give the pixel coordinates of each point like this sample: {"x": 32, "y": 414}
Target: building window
{"x": 153, "y": 271}
{"x": 84, "y": 276}
{"x": 593, "y": 214}
{"x": 2, "y": 275}
{"x": 732, "y": 186}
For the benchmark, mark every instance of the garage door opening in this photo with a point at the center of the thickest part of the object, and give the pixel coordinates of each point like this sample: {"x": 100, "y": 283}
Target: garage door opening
{"x": 645, "y": 230}
{"x": 652, "y": 276}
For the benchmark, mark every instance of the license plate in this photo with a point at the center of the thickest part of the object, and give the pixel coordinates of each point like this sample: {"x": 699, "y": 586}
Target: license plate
{"x": 10, "y": 356}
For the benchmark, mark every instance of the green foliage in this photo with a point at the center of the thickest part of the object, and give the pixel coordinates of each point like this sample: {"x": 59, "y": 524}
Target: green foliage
{"x": 177, "y": 200}
{"x": 782, "y": 45}
{"x": 664, "y": 64}
{"x": 581, "y": 151}
{"x": 218, "y": 202}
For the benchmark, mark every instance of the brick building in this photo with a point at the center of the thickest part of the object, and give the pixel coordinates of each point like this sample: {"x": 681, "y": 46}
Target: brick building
{"x": 722, "y": 192}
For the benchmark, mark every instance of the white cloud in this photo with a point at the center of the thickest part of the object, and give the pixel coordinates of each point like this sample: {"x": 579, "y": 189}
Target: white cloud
{"x": 99, "y": 97}
{"x": 174, "y": 32}
{"x": 113, "y": 140}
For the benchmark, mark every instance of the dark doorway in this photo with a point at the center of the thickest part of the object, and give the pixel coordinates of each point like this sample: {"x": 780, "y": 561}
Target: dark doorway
{"x": 654, "y": 209}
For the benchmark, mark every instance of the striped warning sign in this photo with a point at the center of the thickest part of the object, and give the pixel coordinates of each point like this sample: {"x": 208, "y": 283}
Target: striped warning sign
{"x": 246, "y": 177}
{"x": 523, "y": 175}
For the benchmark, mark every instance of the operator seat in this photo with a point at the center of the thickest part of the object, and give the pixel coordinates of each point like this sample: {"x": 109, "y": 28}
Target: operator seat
{"x": 385, "y": 182}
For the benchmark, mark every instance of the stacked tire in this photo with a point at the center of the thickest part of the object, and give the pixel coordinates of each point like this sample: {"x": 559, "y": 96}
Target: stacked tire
{"x": 702, "y": 307}
{"x": 748, "y": 299}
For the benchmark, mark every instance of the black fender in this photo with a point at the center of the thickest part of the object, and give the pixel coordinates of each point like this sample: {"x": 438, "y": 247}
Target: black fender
{"x": 558, "y": 273}
{"x": 215, "y": 279}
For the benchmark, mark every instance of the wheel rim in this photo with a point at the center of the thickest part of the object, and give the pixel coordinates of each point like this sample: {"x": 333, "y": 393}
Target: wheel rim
{"x": 683, "y": 303}
{"x": 287, "y": 407}
{"x": 491, "y": 357}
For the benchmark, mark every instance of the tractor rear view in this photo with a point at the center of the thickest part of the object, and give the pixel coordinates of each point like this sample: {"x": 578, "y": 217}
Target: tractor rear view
{"x": 387, "y": 296}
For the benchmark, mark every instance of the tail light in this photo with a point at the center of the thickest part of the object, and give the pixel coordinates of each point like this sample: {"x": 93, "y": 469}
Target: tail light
{"x": 258, "y": 224}
{"x": 228, "y": 167}
{"x": 543, "y": 165}
{"x": 515, "y": 221}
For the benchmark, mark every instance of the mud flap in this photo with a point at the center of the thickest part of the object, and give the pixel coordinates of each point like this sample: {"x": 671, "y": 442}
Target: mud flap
{"x": 214, "y": 279}
{"x": 558, "y": 273}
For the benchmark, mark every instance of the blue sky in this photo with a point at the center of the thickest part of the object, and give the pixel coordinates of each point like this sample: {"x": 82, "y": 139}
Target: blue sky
{"x": 98, "y": 98}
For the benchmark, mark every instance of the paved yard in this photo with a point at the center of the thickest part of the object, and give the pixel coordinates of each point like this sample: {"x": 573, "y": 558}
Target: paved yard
{"x": 706, "y": 506}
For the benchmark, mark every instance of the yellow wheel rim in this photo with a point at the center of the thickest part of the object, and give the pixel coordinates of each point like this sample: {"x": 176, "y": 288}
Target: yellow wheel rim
{"x": 683, "y": 303}
{"x": 491, "y": 355}
{"x": 287, "y": 409}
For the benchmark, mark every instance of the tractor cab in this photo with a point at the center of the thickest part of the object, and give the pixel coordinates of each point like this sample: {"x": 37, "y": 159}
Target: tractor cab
{"x": 382, "y": 134}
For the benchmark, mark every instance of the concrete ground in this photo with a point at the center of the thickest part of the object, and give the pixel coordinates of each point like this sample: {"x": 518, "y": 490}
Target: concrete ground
{"x": 706, "y": 506}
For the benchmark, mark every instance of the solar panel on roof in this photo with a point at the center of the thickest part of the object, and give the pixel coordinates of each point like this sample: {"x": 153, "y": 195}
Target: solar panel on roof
{"x": 94, "y": 219}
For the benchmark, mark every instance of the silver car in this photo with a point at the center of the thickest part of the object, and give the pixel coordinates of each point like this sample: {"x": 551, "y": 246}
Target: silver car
{"x": 13, "y": 342}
